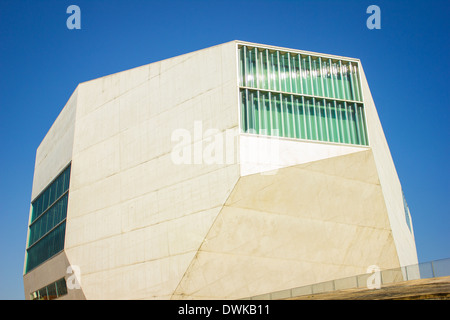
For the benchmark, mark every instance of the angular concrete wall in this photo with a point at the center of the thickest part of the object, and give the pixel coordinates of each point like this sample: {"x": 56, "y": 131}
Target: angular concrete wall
{"x": 390, "y": 183}
{"x": 136, "y": 219}
{"x": 305, "y": 224}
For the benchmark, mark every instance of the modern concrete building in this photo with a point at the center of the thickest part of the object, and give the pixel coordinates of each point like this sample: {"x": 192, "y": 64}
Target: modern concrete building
{"x": 224, "y": 173}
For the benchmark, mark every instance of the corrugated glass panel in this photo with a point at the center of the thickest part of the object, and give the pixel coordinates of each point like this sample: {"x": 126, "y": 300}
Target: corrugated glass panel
{"x": 321, "y": 106}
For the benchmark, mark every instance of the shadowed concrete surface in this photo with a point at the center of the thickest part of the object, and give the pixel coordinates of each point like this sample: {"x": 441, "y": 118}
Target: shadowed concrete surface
{"x": 423, "y": 289}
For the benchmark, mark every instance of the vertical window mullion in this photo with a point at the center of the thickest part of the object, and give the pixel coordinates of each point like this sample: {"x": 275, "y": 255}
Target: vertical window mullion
{"x": 311, "y": 76}
{"x": 245, "y": 66}
{"x": 243, "y": 107}
{"x": 358, "y": 125}
{"x": 351, "y": 123}
{"x": 256, "y": 73}
{"x": 279, "y": 71}
{"x": 252, "y": 97}
{"x": 251, "y": 70}
{"x": 342, "y": 85}
{"x": 269, "y": 73}
{"x": 347, "y": 123}
{"x": 336, "y": 122}
{"x": 269, "y": 95}
{"x": 358, "y": 83}
{"x": 300, "y": 73}
{"x": 308, "y": 115}
{"x": 295, "y": 131}
{"x": 247, "y": 125}
{"x": 304, "y": 118}
{"x": 330, "y": 121}
{"x": 326, "y": 120}
{"x": 290, "y": 72}
{"x": 352, "y": 83}
{"x": 261, "y": 69}
{"x": 260, "y": 113}
{"x": 281, "y": 115}
{"x": 340, "y": 122}
{"x": 332, "y": 80}
{"x": 317, "y": 118}
{"x": 363, "y": 126}
{"x": 294, "y": 74}
{"x": 321, "y": 77}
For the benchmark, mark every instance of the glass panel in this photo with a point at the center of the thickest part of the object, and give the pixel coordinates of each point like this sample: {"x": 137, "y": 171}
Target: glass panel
{"x": 263, "y": 69}
{"x": 355, "y": 82}
{"x": 323, "y": 120}
{"x": 310, "y": 119}
{"x": 318, "y": 118}
{"x": 345, "y": 81}
{"x": 42, "y": 293}
{"x": 324, "y": 69}
{"x": 295, "y": 118}
{"x": 241, "y": 66}
{"x": 306, "y": 76}
{"x": 337, "y": 83}
{"x": 351, "y": 81}
{"x": 254, "y": 112}
{"x": 362, "y": 125}
{"x": 331, "y": 121}
{"x": 295, "y": 74}
{"x": 252, "y": 67}
{"x": 347, "y": 120}
{"x": 61, "y": 287}
{"x": 301, "y": 120}
{"x": 352, "y": 123}
{"x": 288, "y": 113}
{"x": 274, "y": 79}
{"x": 265, "y": 113}
{"x": 277, "y": 126}
{"x": 51, "y": 291}
{"x": 244, "y": 120}
{"x": 317, "y": 86}
{"x": 44, "y": 201}
{"x": 284, "y": 73}
{"x": 341, "y": 122}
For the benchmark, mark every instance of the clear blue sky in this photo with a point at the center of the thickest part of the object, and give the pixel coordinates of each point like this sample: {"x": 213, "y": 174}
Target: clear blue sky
{"x": 406, "y": 63}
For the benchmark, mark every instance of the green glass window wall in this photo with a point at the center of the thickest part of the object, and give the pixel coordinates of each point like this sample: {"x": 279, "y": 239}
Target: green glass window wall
{"x": 298, "y": 73}
{"x": 48, "y": 220}
{"x": 301, "y": 96}
{"x": 51, "y": 194}
{"x": 47, "y": 226}
{"x": 292, "y": 116}
{"x": 52, "y": 291}
{"x": 46, "y": 247}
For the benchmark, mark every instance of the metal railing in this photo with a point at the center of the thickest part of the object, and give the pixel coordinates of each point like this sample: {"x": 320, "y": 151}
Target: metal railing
{"x": 425, "y": 270}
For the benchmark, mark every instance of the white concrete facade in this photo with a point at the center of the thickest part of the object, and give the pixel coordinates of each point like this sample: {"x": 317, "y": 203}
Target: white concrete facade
{"x": 141, "y": 226}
